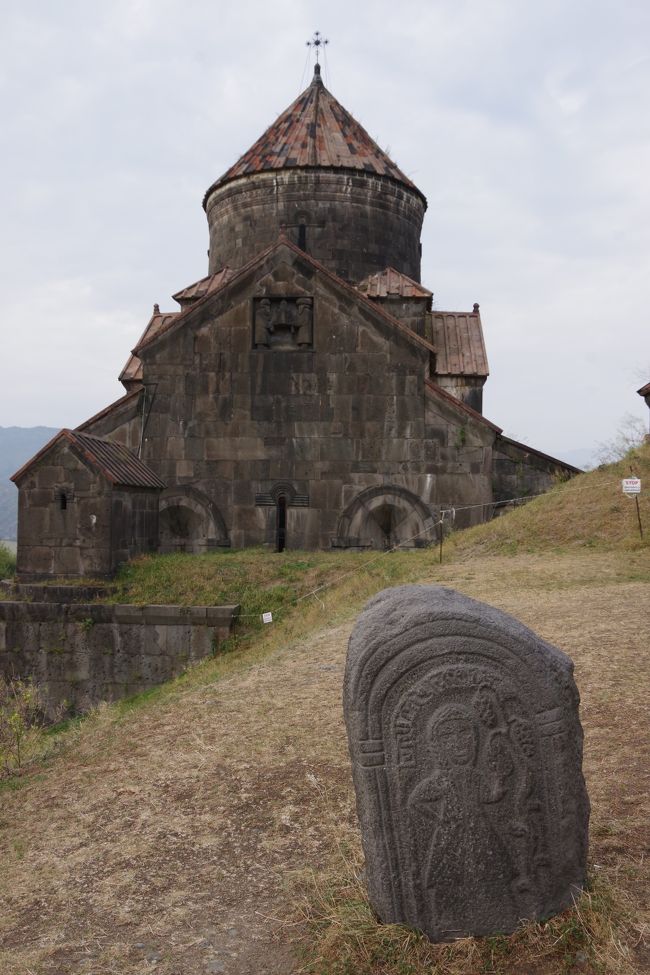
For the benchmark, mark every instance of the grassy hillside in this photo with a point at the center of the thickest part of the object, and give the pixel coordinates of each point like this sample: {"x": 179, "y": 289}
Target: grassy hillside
{"x": 210, "y": 825}
{"x": 589, "y": 511}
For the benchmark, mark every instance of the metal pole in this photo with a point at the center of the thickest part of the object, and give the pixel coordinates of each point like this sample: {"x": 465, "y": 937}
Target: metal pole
{"x": 638, "y": 514}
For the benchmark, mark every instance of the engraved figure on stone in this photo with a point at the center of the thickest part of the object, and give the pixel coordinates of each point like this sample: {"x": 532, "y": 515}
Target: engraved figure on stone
{"x": 284, "y": 316}
{"x": 304, "y": 331}
{"x": 263, "y": 327}
{"x": 512, "y": 741}
{"x": 465, "y": 867}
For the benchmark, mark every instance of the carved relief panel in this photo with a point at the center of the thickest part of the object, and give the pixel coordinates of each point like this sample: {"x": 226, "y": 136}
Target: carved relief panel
{"x": 466, "y": 752}
{"x": 283, "y": 323}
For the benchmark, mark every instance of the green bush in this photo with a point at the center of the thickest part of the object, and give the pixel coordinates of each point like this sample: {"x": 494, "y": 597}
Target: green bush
{"x": 7, "y": 562}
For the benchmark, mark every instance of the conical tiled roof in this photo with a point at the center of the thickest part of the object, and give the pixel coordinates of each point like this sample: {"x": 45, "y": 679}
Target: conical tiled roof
{"x": 316, "y": 131}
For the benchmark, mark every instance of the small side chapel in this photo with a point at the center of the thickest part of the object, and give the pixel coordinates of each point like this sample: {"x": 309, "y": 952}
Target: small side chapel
{"x": 304, "y": 395}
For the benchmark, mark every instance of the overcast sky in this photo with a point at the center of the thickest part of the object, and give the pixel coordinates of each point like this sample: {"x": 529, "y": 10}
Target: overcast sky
{"x": 526, "y": 125}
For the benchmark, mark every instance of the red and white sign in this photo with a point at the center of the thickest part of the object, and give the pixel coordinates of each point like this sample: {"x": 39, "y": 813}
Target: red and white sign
{"x": 631, "y": 485}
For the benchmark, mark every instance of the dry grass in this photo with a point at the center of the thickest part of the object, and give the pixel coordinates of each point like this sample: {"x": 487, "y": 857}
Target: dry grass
{"x": 176, "y": 833}
{"x": 588, "y": 511}
{"x": 182, "y": 827}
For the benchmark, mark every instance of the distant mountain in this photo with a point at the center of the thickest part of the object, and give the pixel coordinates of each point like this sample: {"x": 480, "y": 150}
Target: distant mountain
{"x": 17, "y": 445}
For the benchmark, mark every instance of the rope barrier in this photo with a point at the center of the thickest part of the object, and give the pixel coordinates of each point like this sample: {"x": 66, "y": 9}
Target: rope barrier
{"x": 351, "y": 572}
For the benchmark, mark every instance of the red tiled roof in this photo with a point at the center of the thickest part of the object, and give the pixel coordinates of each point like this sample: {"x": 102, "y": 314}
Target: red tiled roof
{"x": 315, "y": 131}
{"x": 391, "y": 282}
{"x": 458, "y": 341}
{"x": 203, "y": 287}
{"x": 113, "y": 460}
{"x": 132, "y": 371}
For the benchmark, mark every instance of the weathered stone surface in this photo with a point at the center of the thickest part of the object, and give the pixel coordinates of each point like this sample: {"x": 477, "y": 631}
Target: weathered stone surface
{"x": 82, "y": 654}
{"x": 466, "y": 749}
{"x": 278, "y": 370}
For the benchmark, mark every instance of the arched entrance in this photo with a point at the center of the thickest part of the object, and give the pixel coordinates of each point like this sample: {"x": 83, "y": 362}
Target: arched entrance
{"x": 384, "y": 516}
{"x": 190, "y": 522}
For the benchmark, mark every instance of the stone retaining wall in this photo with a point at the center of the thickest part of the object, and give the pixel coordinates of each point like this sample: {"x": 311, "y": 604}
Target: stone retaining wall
{"x": 82, "y": 654}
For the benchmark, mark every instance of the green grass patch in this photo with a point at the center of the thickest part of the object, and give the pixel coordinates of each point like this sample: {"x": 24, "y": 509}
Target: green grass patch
{"x": 258, "y": 580}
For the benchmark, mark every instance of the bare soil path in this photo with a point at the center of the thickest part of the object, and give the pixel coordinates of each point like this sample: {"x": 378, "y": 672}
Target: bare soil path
{"x": 174, "y": 840}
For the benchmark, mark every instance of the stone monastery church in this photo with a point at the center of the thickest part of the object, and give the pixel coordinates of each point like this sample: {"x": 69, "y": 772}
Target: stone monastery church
{"x": 304, "y": 395}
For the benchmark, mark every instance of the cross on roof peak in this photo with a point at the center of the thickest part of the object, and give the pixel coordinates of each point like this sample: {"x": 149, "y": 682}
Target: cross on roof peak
{"x": 317, "y": 42}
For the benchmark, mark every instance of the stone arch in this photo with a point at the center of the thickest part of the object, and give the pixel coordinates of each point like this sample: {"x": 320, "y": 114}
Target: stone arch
{"x": 285, "y": 488}
{"x": 384, "y": 516}
{"x": 190, "y": 521}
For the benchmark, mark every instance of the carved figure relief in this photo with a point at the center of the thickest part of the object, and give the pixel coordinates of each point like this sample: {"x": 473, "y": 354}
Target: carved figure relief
{"x": 472, "y": 814}
{"x": 283, "y": 323}
{"x": 262, "y": 326}
{"x": 470, "y": 820}
{"x": 304, "y": 334}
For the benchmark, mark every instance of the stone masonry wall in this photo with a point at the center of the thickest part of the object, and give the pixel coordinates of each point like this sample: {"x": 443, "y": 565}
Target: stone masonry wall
{"x": 231, "y": 421}
{"x": 354, "y": 224}
{"x": 521, "y": 472}
{"x": 80, "y": 655}
{"x": 71, "y": 538}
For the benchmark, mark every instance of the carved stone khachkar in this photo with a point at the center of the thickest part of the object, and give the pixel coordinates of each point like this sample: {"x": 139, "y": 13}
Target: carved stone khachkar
{"x": 466, "y": 751}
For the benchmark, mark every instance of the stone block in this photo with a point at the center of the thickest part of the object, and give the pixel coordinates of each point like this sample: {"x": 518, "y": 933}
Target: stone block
{"x": 466, "y": 749}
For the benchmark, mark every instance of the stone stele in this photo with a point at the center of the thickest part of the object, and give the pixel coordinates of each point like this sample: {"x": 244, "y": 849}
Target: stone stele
{"x": 466, "y": 749}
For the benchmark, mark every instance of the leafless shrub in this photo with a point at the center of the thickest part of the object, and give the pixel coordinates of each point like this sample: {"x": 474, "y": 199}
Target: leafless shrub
{"x": 20, "y": 710}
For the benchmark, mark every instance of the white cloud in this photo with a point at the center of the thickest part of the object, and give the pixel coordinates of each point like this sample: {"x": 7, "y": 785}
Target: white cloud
{"x": 526, "y": 127}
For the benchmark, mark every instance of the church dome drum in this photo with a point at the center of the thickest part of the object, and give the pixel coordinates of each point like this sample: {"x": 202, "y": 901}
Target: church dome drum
{"x": 318, "y": 176}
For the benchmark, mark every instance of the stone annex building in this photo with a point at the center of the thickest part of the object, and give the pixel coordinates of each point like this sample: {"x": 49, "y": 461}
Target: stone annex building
{"x": 304, "y": 395}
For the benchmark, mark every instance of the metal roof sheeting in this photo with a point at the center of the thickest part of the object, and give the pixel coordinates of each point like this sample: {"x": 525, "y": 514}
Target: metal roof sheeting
{"x": 114, "y": 460}
{"x": 203, "y": 287}
{"x": 389, "y": 282}
{"x": 458, "y": 341}
{"x": 315, "y": 131}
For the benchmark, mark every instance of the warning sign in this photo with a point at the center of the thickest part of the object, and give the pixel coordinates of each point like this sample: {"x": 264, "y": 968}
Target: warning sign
{"x": 631, "y": 485}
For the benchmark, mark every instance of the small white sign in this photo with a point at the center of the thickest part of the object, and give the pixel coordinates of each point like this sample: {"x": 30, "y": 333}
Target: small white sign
{"x": 267, "y": 617}
{"x": 631, "y": 485}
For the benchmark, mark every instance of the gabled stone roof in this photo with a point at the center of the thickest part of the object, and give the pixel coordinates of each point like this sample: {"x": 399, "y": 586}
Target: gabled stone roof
{"x": 315, "y": 132}
{"x": 181, "y": 317}
{"x": 113, "y": 460}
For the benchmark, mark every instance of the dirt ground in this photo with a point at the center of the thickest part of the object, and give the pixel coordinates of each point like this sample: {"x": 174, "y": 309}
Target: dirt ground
{"x": 175, "y": 840}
